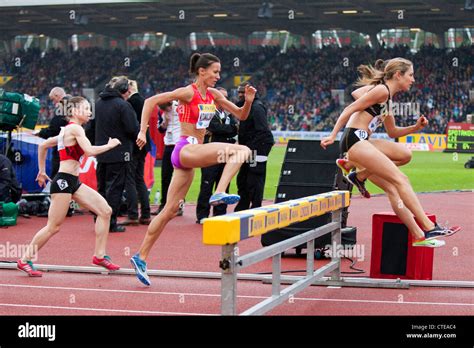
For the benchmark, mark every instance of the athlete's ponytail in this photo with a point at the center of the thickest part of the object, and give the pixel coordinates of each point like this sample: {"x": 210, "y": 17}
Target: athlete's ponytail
{"x": 369, "y": 75}
{"x": 382, "y": 71}
{"x": 203, "y": 60}
{"x": 380, "y": 64}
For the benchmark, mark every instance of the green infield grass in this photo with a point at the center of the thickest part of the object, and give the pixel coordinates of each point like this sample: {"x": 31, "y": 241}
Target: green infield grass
{"x": 428, "y": 171}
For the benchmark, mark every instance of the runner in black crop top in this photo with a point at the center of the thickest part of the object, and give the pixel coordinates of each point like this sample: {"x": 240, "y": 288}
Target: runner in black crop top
{"x": 397, "y": 76}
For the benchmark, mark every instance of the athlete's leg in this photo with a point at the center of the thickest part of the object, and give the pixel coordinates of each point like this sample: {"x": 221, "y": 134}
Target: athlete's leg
{"x": 397, "y": 205}
{"x": 398, "y": 153}
{"x": 56, "y": 215}
{"x": 205, "y": 155}
{"x": 93, "y": 201}
{"x": 179, "y": 186}
{"x": 367, "y": 155}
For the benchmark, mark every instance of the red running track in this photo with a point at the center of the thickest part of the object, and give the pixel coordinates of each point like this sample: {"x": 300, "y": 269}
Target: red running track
{"x": 180, "y": 248}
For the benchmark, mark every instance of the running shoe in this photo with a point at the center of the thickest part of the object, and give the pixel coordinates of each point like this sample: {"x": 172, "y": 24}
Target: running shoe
{"x": 352, "y": 178}
{"x": 429, "y": 243}
{"x": 28, "y": 268}
{"x": 140, "y": 269}
{"x": 223, "y": 198}
{"x": 106, "y": 262}
{"x": 343, "y": 164}
{"x": 438, "y": 232}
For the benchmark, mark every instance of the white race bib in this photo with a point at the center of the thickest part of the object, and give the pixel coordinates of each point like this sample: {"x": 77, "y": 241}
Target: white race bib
{"x": 361, "y": 134}
{"x": 375, "y": 123}
{"x": 192, "y": 140}
{"x": 206, "y": 113}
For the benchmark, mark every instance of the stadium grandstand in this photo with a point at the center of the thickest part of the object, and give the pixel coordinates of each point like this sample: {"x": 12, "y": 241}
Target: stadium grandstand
{"x": 301, "y": 55}
{"x": 207, "y": 212}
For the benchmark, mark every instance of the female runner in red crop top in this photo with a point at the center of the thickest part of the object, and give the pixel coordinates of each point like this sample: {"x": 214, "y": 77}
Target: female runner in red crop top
{"x": 72, "y": 144}
{"x": 196, "y": 109}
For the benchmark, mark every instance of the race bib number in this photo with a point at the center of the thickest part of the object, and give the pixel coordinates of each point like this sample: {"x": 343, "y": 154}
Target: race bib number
{"x": 206, "y": 113}
{"x": 361, "y": 134}
{"x": 192, "y": 140}
{"x": 375, "y": 123}
{"x": 62, "y": 184}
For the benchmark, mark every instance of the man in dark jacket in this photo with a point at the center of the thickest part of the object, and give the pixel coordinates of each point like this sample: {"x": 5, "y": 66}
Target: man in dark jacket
{"x": 58, "y": 96}
{"x": 223, "y": 129}
{"x": 255, "y": 134}
{"x": 135, "y": 184}
{"x": 114, "y": 118}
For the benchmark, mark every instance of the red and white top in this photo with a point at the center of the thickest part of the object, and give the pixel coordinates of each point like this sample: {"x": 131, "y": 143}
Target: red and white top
{"x": 199, "y": 111}
{"x": 73, "y": 152}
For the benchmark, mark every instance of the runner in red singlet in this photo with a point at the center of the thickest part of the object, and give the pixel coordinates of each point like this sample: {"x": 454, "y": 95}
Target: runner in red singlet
{"x": 72, "y": 144}
{"x": 197, "y": 106}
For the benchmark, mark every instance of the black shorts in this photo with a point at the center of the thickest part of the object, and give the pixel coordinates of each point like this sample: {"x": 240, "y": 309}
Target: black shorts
{"x": 350, "y": 137}
{"x": 65, "y": 183}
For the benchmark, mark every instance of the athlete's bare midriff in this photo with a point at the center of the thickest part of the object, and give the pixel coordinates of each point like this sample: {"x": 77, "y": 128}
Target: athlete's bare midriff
{"x": 189, "y": 129}
{"x": 360, "y": 120}
{"x": 70, "y": 167}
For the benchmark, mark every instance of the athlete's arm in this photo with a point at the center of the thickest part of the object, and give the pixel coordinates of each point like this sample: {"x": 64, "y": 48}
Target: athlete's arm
{"x": 78, "y": 132}
{"x": 241, "y": 113}
{"x": 183, "y": 94}
{"x": 376, "y": 95}
{"x": 359, "y": 92}
{"x": 42, "y": 151}
{"x": 396, "y": 132}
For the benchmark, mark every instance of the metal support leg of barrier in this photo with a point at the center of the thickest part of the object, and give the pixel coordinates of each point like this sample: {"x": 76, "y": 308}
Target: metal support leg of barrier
{"x": 301, "y": 284}
{"x": 336, "y": 243}
{"x": 276, "y": 274}
{"x": 309, "y": 258}
{"x": 229, "y": 280}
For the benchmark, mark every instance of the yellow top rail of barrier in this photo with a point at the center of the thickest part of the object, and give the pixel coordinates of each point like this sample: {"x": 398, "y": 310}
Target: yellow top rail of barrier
{"x": 234, "y": 227}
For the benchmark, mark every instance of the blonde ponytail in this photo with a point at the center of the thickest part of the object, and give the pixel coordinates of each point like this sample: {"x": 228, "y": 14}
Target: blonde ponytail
{"x": 369, "y": 75}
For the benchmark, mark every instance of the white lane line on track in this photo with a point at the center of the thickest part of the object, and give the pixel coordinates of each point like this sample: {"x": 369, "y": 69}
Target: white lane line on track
{"x": 102, "y": 309}
{"x": 239, "y": 296}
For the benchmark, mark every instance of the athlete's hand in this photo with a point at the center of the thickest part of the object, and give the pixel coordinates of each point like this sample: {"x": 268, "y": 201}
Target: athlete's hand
{"x": 113, "y": 142}
{"x": 327, "y": 141}
{"x": 250, "y": 93}
{"x": 421, "y": 123}
{"x": 141, "y": 139}
{"x": 41, "y": 178}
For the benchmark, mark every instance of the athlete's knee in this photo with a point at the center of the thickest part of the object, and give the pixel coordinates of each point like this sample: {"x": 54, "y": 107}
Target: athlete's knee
{"x": 53, "y": 228}
{"x": 401, "y": 179}
{"x": 171, "y": 210}
{"x": 168, "y": 213}
{"x": 245, "y": 151}
{"x": 390, "y": 190}
{"x": 105, "y": 211}
{"x": 405, "y": 157}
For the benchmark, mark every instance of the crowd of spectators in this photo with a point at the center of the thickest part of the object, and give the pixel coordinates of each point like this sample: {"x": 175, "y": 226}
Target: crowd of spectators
{"x": 35, "y": 73}
{"x": 297, "y": 86}
{"x": 170, "y": 69}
